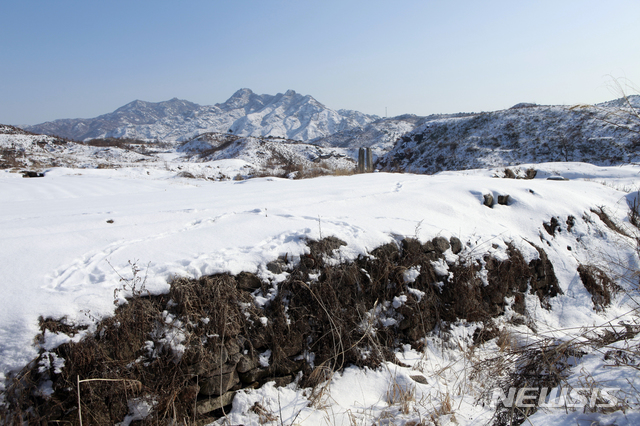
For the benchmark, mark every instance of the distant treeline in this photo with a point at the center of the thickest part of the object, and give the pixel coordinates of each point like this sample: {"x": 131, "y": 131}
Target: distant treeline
{"x": 124, "y": 143}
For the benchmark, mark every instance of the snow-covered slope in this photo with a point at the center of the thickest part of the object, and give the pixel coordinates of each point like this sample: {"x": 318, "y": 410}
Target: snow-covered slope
{"x": 20, "y": 149}
{"x": 213, "y": 156}
{"x": 624, "y": 102}
{"x": 266, "y": 154}
{"x": 66, "y": 238}
{"x": 526, "y": 133}
{"x": 289, "y": 115}
{"x": 380, "y": 135}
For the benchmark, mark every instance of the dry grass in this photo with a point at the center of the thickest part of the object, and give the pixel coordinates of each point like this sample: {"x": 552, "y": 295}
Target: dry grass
{"x": 335, "y": 316}
{"x": 401, "y": 394}
{"x": 634, "y": 210}
{"x": 506, "y": 341}
{"x": 547, "y": 363}
{"x": 282, "y": 167}
{"x": 606, "y": 219}
{"x": 264, "y": 415}
{"x": 543, "y": 364}
{"x": 599, "y": 285}
{"x": 446, "y": 406}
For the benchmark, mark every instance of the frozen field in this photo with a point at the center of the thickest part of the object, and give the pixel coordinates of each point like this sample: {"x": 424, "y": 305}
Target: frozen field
{"x": 66, "y": 237}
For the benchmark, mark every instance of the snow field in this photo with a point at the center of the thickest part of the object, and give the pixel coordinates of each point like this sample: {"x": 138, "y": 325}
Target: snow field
{"x": 61, "y": 256}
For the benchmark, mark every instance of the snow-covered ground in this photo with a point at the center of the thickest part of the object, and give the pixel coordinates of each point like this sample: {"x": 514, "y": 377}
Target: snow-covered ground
{"x": 66, "y": 238}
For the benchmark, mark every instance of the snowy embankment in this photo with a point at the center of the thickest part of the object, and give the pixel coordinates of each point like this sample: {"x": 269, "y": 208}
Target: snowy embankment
{"x": 65, "y": 239}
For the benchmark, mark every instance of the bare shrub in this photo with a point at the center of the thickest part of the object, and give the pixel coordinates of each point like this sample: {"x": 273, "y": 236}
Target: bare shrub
{"x": 599, "y": 285}
{"x": 344, "y": 171}
{"x": 135, "y": 286}
{"x": 403, "y": 395}
{"x": 506, "y": 340}
{"x": 604, "y": 217}
{"x": 634, "y": 210}
{"x": 509, "y": 174}
{"x": 264, "y": 415}
{"x": 187, "y": 175}
{"x": 544, "y": 364}
{"x": 530, "y": 173}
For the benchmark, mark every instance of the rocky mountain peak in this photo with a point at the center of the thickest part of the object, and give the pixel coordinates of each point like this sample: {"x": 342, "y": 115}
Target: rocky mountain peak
{"x": 289, "y": 115}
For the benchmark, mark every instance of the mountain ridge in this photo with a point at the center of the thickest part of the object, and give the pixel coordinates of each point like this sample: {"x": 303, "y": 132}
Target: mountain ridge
{"x": 607, "y": 133}
{"x": 289, "y": 115}
{"x": 602, "y": 134}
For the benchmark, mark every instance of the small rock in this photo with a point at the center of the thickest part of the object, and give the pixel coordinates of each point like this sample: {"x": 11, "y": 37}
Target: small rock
{"x": 411, "y": 245}
{"x": 246, "y": 363}
{"x": 218, "y": 384}
{"x": 456, "y": 245}
{"x": 420, "y": 379}
{"x": 388, "y": 251}
{"x": 205, "y": 369}
{"x": 31, "y": 174}
{"x": 282, "y": 381}
{"x": 441, "y": 244}
{"x": 488, "y": 200}
{"x": 325, "y": 246}
{"x": 503, "y": 199}
{"x": 219, "y": 354}
{"x": 212, "y": 404}
{"x": 288, "y": 368}
{"x": 248, "y": 281}
{"x": 275, "y": 267}
{"x": 428, "y": 247}
{"x": 232, "y": 347}
{"x": 255, "y": 375}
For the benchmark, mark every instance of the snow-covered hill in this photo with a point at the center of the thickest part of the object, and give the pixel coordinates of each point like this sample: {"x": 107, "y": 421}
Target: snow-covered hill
{"x": 212, "y": 156}
{"x": 20, "y": 149}
{"x": 379, "y": 135}
{"x": 68, "y": 239}
{"x": 624, "y": 102}
{"x": 267, "y": 155}
{"x": 604, "y": 134}
{"x": 289, "y": 115}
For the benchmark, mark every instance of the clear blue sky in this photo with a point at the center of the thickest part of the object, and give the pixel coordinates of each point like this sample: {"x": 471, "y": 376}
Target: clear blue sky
{"x": 70, "y": 59}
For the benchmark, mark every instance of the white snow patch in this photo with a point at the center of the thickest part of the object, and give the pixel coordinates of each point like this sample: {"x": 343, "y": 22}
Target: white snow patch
{"x": 411, "y": 274}
{"x": 264, "y": 358}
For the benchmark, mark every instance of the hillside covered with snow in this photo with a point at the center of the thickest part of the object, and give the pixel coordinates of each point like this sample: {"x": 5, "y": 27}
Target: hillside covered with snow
{"x": 604, "y": 134}
{"x": 289, "y": 115}
{"x": 175, "y": 265}
{"x": 23, "y": 150}
{"x": 69, "y": 240}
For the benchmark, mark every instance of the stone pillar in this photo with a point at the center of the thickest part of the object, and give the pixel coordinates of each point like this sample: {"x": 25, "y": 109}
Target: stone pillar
{"x": 368, "y": 160}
